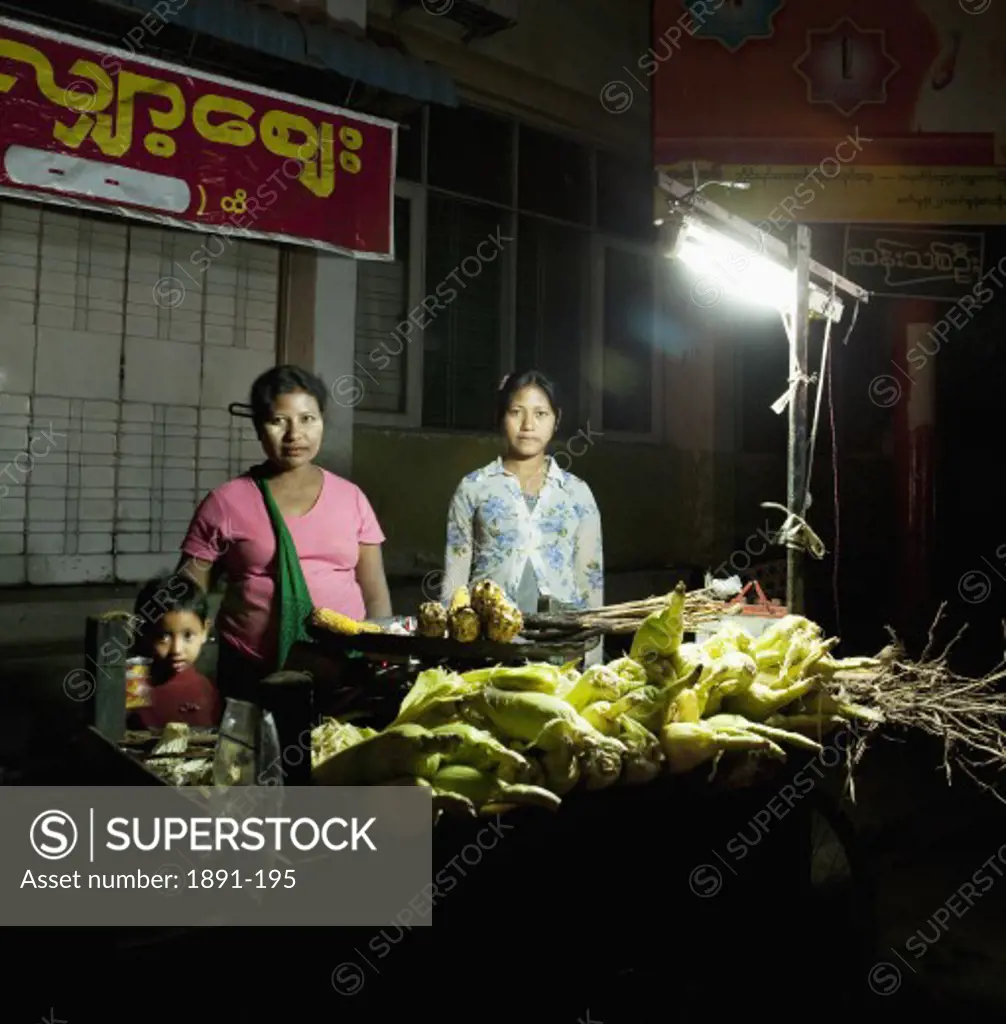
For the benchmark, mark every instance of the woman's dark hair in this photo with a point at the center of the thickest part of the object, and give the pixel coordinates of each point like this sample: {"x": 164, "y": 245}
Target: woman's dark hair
{"x": 163, "y": 594}
{"x": 515, "y": 382}
{"x": 283, "y": 380}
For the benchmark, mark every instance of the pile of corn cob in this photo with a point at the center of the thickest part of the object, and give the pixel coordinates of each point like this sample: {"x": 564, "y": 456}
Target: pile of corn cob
{"x": 483, "y": 610}
{"x": 492, "y": 739}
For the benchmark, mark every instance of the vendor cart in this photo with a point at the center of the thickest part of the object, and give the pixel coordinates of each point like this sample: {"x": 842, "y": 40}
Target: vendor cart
{"x": 364, "y": 676}
{"x": 631, "y": 903}
{"x": 626, "y": 904}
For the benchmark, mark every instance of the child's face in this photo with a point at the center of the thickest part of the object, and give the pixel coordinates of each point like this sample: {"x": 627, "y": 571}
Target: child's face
{"x": 178, "y": 639}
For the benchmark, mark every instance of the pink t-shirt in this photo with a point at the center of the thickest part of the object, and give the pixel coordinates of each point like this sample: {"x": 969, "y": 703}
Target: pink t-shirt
{"x": 232, "y": 526}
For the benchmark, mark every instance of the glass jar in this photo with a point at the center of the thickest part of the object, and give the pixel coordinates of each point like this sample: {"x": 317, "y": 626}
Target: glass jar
{"x": 138, "y": 688}
{"x": 247, "y": 751}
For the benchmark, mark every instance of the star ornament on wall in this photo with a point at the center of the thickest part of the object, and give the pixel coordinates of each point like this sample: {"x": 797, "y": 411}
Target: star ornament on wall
{"x": 733, "y": 22}
{"x": 846, "y": 66}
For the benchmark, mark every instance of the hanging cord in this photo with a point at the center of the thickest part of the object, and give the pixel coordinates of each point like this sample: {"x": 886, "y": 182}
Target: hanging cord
{"x": 792, "y": 383}
{"x": 852, "y": 325}
{"x": 796, "y": 533}
{"x": 805, "y": 504}
{"x": 834, "y": 458}
{"x": 834, "y": 464}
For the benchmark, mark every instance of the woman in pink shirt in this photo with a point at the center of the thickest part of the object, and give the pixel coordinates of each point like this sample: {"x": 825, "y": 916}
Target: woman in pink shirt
{"x": 330, "y": 521}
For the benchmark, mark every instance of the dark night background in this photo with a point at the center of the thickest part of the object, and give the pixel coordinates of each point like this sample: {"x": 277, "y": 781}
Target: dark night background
{"x": 583, "y": 910}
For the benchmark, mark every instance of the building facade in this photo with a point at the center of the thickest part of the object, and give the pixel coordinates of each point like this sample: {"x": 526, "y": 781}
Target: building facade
{"x": 523, "y": 236}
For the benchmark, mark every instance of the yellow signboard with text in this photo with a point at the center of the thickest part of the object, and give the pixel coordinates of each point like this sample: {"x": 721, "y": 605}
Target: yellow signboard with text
{"x": 783, "y": 194}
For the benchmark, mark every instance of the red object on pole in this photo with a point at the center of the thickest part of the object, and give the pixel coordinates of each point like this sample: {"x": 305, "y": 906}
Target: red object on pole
{"x": 915, "y": 353}
{"x": 761, "y": 605}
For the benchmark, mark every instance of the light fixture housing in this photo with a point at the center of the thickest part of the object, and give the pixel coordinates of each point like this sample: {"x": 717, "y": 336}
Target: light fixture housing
{"x": 738, "y": 268}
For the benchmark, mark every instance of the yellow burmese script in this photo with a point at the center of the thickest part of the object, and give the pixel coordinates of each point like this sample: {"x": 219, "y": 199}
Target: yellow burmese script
{"x": 106, "y": 115}
{"x": 780, "y": 195}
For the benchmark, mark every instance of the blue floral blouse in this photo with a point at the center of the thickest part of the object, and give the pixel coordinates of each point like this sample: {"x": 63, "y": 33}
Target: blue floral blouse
{"x": 492, "y": 534}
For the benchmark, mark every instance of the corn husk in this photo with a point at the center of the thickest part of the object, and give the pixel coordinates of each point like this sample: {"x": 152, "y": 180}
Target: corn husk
{"x": 174, "y": 740}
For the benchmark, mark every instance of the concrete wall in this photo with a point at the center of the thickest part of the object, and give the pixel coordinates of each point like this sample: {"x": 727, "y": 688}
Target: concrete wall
{"x": 663, "y": 505}
{"x": 409, "y": 477}
{"x": 573, "y": 44}
{"x": 334, "y": 329}
{"x": 552, "y": 64}
{"x": 650, "y": 504}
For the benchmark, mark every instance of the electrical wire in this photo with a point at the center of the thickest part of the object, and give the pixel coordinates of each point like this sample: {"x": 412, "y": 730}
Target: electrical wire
{"x": 825, "y": 360}
{"x": 827, "y": 371}
{"x": 834, "y": 466}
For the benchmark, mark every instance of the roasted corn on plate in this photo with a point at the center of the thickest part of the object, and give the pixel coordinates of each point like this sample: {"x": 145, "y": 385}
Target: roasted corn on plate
{"x": 463, "y": 624}
{"x": 480, "y": 611}
{"x": 487, "y": 594}
{"x": 432, "y": 619}
{"x": 339, "y": 623}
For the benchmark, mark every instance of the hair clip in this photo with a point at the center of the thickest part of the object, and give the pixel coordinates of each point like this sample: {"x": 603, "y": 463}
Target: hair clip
{"x": 506, "y": 377}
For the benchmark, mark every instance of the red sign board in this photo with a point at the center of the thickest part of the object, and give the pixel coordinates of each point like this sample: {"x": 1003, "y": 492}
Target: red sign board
{"x": 101, "y": 129}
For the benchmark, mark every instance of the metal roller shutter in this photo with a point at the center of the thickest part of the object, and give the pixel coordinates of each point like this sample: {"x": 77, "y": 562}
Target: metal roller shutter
{"x": 121, "y": 347}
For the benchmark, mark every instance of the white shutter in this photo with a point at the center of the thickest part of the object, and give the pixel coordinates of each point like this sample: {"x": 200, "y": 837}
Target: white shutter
{"x": 113, "y": 412}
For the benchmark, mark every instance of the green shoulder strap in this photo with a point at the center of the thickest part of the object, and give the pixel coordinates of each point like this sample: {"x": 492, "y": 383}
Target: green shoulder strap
{"x": 295, "y": 604}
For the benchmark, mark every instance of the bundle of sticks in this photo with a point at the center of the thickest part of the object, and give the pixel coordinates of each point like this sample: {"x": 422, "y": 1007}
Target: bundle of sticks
{"x": 966, "y": 713}
{"x": 574, "y": 627}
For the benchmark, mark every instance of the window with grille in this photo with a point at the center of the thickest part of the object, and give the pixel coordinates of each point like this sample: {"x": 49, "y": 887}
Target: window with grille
{"x": 471, "y": 153}
{"x": 629, "y": 319}
{"x": 462, "y": 337}
{"x": 625, "y": 196}
{"x": 572, "y": 294}
{"x": 553, "y": 177}
{"x": 552, "y": 269}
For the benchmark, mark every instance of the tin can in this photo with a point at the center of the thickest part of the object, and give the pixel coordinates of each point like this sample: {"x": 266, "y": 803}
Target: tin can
{"x": 138, "y": 687}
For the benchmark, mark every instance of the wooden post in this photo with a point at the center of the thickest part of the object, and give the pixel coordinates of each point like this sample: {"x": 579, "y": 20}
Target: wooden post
{"x": 107, "y": 643}
{"x": 914, "y": 458}
{"x": 290, "y": 698}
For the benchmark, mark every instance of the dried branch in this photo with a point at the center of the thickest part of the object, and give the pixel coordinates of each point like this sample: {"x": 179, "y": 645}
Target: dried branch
{"x": 967, "y": 714}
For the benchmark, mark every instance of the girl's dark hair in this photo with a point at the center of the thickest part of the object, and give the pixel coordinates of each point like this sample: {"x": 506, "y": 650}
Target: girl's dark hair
{"x": 174, "y": 593}
{"x": 283, "y": 380}
{"x": 514, "y": 382}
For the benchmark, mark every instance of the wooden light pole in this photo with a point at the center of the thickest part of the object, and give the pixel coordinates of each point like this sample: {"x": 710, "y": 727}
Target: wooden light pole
{"x": 685, "y": 198}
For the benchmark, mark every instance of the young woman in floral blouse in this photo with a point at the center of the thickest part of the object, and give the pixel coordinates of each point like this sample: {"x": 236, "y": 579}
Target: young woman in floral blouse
{"x": 522, "y": 520}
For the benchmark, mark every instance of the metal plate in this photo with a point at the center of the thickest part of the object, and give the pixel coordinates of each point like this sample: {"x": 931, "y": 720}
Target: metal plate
{"x": 433, "y": 649}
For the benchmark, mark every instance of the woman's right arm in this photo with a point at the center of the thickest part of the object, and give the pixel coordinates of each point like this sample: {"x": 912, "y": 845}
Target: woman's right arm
{"x": 205, "y": 543}
{"x": 458, "y": 554}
